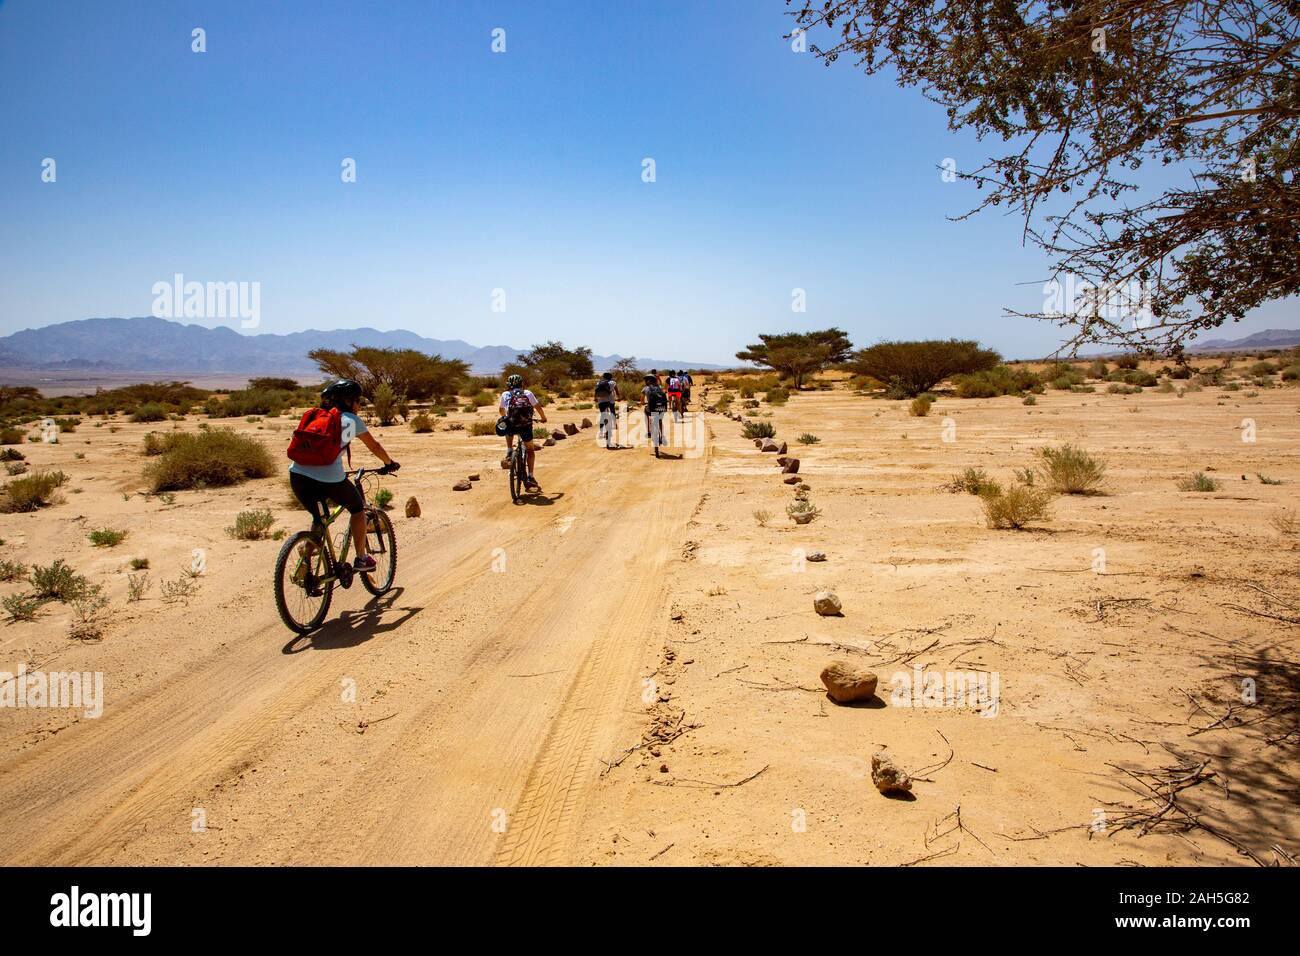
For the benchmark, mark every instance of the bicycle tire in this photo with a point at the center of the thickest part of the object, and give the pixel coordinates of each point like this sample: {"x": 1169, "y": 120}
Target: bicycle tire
{"x": 516, "y": 479}
{"x": 283, "y": 568}
{"x": 384, "y": 531}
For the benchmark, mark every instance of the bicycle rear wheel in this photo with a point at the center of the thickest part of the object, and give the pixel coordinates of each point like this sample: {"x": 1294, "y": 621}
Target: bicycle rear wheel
{"x": 300, "y": 596}
{"x": 381, "y": 544}
{"x": 516, "y": 473}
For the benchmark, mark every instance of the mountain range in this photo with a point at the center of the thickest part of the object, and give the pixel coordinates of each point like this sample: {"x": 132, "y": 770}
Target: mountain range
{"x": 147, "y": 344}
{"x": 1268, "y": 339}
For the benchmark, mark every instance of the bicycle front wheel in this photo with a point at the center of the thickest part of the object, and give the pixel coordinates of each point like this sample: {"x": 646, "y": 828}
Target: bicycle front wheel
{"x": 301, "y": 595}
{"x": 381, "y": 544}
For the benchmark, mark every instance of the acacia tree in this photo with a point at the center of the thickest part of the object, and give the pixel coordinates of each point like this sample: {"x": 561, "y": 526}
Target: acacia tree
{"x": 796, "y": 355}
{"x": 1085, "y": 92}
{"x": 552, "y": 364}
{"x": 409, "y": 373}
{"x": 910, "y": 368}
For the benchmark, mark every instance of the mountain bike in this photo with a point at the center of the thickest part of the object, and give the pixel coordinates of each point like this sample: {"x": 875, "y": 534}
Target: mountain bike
{"x": 519, "y": 467}
{"x": 308, "y": 567}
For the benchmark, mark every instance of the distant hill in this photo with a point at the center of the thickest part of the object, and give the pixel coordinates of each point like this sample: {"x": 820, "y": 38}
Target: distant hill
{"x": 161, "y": 346}
{"x": 1268, "y": 339}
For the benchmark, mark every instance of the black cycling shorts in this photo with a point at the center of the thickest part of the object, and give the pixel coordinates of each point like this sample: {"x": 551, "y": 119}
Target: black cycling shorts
{"x": 604, "y": 407}
{"x": 314, "y": 494}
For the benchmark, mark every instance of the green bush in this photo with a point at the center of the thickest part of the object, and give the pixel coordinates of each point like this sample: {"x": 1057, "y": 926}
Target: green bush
{"x": 422, "y": 424}
{"x": 752, "y": 430}
{"x": 384, "y": 498}
{"x": 208, "y": 459}
{"x": 12, "y": 454}
{"x": 12, "y": 571}
{"x": 999, "y": 380}
{"x": 106, "y": 537}
{"x": 777, "y": 396}
{"x": 149, "y": 413}
{"x": 539, "y": 433}
{"x": 252, "y": 525}
{"x": 31, "y": 492}
{"x": 58, "y": 582}
{"x": 21, "y": 606}
{"x": 808, "y": 438}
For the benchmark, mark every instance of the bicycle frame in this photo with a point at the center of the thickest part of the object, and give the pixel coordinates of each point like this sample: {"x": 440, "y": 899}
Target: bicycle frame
{"x": 339, "y": 569}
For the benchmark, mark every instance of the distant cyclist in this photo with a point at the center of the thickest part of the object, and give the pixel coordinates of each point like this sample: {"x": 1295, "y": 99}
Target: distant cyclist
{"x": 314, "y": 484}
{"x": 675, "y": 393}
{"x": 687, "y": 382}
{"x": 607, "y": 398}
{"x": 517, "y": 406}
{"x": 655, "y": 402}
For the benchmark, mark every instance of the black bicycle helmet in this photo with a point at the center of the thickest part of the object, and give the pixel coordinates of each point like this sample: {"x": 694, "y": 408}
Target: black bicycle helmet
{"x": 341, "y": 393}
{"x": 515, "y": 381}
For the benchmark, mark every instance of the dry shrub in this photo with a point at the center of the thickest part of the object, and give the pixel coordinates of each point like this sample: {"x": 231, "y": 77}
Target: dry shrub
{"x": 1286, "y": 522}
{"x": 252, "y": 525}
{"x": 972, "y": 481}
{"x": 1071, "y": 471}
{"x": 1199, "y": 482}
{"x": 31, "y": 492}
{"x": 1015, "y": 507}
{"x": 208, "y": 459}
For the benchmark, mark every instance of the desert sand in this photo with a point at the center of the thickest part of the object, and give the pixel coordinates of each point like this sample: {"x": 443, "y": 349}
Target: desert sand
{"x": 626, "y": 670}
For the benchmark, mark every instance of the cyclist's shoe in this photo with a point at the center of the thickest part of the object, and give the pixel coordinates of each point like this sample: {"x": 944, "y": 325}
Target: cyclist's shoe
{"x": 531, "y": 483}
{"x": 364, "y": 563}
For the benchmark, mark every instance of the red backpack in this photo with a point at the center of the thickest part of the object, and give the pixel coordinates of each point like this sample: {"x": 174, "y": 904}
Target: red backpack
{"x": 318, "y": 439}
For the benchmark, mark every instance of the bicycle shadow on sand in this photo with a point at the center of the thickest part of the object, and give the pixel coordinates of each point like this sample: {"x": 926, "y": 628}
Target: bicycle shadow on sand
{"x": 542, "y": 500}
{"x": 354, "y": 627}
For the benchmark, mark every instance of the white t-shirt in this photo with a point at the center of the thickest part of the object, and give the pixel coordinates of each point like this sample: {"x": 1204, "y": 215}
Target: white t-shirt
{"x": 505, "y": 397}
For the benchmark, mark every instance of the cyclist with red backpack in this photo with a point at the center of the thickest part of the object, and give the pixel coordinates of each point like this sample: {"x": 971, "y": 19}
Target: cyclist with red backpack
{"x": 517, "y": 407}
{"x": 317, "y": 448}
{"x": 675, "y": 393}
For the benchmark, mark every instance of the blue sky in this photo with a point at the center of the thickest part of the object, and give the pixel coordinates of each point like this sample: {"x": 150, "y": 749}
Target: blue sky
{"x": 479, "y": 171}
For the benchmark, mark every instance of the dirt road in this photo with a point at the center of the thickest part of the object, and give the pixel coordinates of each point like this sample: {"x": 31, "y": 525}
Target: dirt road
{"x": 627, "y": 670}
{"x": 460, "y": 719}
